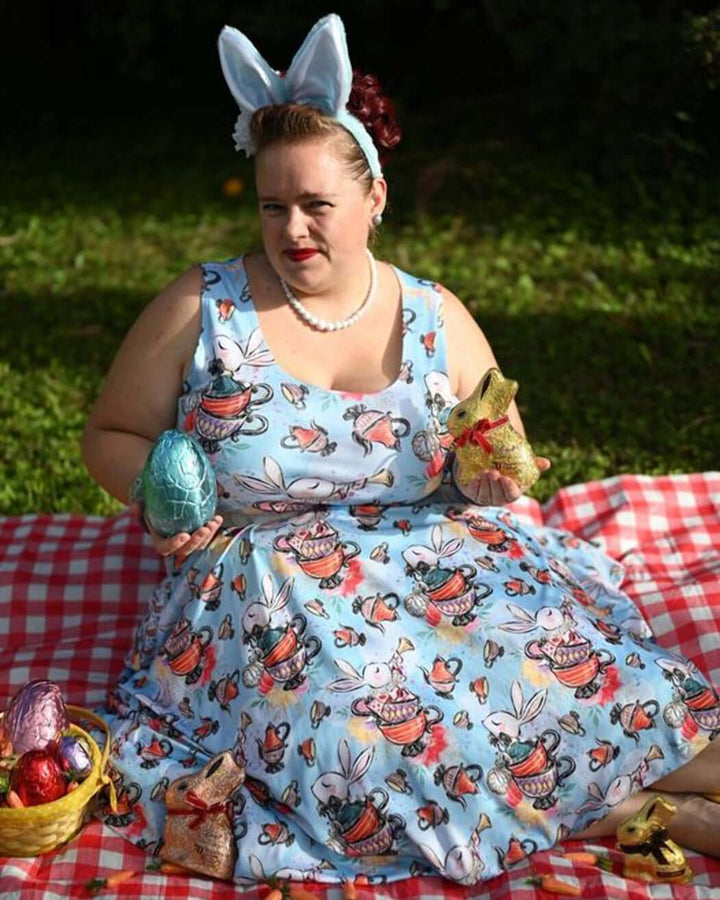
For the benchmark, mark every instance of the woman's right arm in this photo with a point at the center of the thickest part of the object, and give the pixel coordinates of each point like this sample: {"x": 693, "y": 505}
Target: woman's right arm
{"x": 139, "y": 397}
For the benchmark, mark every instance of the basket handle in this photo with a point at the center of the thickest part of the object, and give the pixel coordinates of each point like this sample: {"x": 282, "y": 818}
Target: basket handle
{"x": 79, "y": 712}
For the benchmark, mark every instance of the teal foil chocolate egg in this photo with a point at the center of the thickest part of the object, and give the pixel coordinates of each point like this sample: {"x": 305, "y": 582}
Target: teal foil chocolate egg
{"x": 177, "y": 485}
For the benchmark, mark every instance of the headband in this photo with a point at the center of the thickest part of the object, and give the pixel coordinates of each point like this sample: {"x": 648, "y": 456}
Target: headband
{"x": 320, "y": 75}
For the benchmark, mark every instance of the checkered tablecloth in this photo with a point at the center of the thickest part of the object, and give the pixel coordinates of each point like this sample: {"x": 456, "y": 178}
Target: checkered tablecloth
{"x": 72, "y": 587}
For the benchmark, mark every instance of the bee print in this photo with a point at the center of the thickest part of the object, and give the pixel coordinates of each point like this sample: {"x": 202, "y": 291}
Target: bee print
{"x": 295, "y": 394}
{"x": 308, "y": 751}
{"x": 377, "y": 609}
{"x": 225, "y": 309}
{"x": 311, "y": 440}
{"x": 427, "y": 342}
{"x": 348, "y": 637}
{"x": 601, "y": 754}
{"x": 431, "y": 815}
{"x": 225, "y": 690}
{"x": 226, "y": 631}
{"x": 206, "y": 727}
{"x": 371, "y": 426}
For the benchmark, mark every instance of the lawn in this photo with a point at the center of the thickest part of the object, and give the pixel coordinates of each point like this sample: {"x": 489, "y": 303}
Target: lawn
{"x": 603, "y": 301}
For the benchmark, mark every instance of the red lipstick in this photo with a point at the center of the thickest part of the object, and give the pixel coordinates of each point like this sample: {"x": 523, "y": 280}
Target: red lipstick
{"x": 300, "y": 255}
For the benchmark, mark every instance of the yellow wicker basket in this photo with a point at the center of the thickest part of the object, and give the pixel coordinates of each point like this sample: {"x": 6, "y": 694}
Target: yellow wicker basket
{"x": 39, "y": 829}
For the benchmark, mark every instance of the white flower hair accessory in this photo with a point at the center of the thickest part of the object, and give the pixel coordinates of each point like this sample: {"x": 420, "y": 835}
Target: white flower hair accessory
{"x": 320, "y": 75}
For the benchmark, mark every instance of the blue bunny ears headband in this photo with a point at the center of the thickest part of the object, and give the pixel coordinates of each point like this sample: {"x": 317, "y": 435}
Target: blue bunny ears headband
{"x": 320, "y": 75}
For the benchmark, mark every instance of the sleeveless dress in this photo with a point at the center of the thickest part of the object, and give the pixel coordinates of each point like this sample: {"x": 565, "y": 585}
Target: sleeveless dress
{"x": 414, "y": 684}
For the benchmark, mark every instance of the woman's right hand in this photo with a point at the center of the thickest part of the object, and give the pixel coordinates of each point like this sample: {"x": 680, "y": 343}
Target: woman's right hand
{"x": 182, "y": 544}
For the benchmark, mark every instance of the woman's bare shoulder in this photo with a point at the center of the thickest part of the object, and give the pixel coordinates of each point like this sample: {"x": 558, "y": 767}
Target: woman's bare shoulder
{"x": 146, "y": 376}
{"x": 181, "y": 296}
{"x": 468, "y": 351}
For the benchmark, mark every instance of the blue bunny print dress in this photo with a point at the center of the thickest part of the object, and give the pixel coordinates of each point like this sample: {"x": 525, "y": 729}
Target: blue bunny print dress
{"x": 414, "y": 684}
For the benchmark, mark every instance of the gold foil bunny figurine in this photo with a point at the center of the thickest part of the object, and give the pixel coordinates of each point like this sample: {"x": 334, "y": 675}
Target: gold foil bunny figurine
{"x": 484, "y": 437}
{"x": 650, "y": 855}
{"x": 199, "y": 832}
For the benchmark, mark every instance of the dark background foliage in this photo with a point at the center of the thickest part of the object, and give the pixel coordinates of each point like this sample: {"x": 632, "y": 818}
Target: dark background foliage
{"x": 558, "y": 171}
{"x": 618, "y": 84}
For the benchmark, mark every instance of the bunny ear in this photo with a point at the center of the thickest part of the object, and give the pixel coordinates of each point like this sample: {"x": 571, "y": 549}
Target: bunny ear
{"x": 345, "y": 685}
{"x": 534, "y": 707}
{"x": 268, "y": 588}
{"x": 430, "y": 854}
{"x": 283, "y": 595}
{"x": 517, "y": 627}
{"x": 256, "y": 352}
{"x": 321, "y": 74}
{"x": 252, "y": 82}
{"x": 256, "y": 485}
{"x": 348, "y": 668}
{"x": 362, "y": 764}
{"x": 274, "y": 472}
{"x": 521, "y": 614}
{"x": 452, "y": 547}
{"x": 256, "y": 867}
{"x": 591, "y": 806}
{"x": 344, "y": 756}
{"x": 517, "y": 697}
{"x": 436, "y": 537}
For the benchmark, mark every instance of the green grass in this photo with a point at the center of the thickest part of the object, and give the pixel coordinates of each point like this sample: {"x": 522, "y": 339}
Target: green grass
{"x": 603, "y": 302}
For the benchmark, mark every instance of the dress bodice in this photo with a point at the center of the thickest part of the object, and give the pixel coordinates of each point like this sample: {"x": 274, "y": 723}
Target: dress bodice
{"x": 278, "y": 444}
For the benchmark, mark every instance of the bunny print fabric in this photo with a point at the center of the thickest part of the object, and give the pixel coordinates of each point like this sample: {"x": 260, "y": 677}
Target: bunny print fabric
{"x": 413, "y": 684}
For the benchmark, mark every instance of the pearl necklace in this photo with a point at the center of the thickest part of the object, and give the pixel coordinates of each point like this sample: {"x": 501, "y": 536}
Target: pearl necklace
{"x": 323, "y": 324}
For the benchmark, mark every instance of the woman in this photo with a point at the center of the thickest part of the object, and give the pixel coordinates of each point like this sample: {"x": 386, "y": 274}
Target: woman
{"x": 414, "y": 681}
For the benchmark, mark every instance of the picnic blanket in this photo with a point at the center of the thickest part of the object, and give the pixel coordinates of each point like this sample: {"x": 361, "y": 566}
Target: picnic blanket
{"x": 72, "y": 588}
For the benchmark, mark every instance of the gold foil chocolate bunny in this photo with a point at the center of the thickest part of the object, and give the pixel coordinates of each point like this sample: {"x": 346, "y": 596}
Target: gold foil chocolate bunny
{"x": 484, "y": 437}
{"x": 199, "y": 831}
{"x": 650, "y": 855}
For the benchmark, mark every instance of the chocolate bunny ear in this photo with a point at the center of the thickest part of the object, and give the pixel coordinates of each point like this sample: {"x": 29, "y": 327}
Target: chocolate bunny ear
{"x": 320, "y": 74}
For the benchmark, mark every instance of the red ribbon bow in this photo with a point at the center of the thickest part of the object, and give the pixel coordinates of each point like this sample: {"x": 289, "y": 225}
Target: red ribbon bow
{"x": 202, "y": 810}
{"x": 476, "y": 433}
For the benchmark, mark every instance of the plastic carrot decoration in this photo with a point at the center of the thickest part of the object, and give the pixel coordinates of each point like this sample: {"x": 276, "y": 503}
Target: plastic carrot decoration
{"x": 14, "y": 801}
{"x": 555, "y": 885}
{"x": 584, "y": 857}
{"x": 119, "y": 878}
{"x": 349, "y": 891}
{"x": 95, "y": 885}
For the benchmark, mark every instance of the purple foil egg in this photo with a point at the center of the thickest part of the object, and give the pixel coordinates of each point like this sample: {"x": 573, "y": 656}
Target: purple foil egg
{"x": 74, "y": 757}
{"x": 35, "y": 716}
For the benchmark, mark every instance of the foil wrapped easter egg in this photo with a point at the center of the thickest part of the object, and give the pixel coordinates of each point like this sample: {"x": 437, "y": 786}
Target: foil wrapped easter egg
{"x": 35, "y": 717}
{"x": 74, "y": 757}
{"x": 37, "y": 778}
{"x": 177, "y": 485}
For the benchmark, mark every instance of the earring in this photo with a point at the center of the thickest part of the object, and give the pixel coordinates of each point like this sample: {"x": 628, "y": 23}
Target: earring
{"x": 377, "y": 220}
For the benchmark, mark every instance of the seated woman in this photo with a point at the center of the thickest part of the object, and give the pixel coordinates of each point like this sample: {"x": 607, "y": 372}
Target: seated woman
{"x": 414, "y": 680}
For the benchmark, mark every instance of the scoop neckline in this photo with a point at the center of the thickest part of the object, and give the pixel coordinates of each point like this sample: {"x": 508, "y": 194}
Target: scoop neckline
{"x": 301, "y": 381}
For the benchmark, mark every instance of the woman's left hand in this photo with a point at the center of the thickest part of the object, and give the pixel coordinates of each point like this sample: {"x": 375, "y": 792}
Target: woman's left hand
{"x": 493, "y": 489}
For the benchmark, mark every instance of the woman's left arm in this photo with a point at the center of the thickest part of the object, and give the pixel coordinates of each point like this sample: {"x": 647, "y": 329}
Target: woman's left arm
{"x": 469, "y": 357}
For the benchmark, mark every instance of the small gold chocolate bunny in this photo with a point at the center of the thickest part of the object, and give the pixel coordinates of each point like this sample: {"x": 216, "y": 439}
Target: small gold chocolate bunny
{"x": 650, "y": 855}
{"x": 484, "y": 437}
{"x": 199, "y": 831}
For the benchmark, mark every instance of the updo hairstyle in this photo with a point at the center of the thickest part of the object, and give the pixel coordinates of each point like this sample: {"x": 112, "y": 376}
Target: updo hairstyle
{"x": 293, "y": 122}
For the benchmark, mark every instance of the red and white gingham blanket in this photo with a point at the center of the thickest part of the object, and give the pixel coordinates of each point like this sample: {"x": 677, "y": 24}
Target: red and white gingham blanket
{"x": 72, "y": 587}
